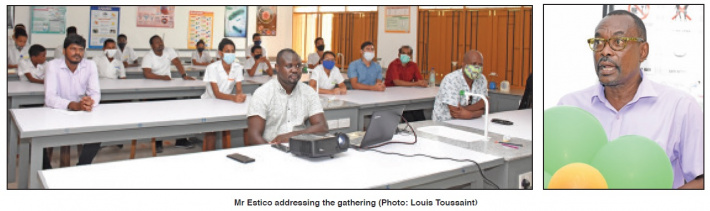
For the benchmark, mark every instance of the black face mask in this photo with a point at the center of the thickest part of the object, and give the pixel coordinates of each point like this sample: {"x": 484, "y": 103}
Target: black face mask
{"x": 200, "y": 50}
{"x": 257, "y": 56}
{"x": 121, "y": 45}
{"x": 320, "y": 47}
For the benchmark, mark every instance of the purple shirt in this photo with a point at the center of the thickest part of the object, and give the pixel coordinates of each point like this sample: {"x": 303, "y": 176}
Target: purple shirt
{"x": 668, "y": 116}
{"x": 61, "y": 86}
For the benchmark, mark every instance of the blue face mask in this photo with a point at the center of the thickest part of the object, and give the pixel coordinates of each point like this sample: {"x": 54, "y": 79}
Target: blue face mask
{"x": 329, "y": 64}
{"x": 257, "y": 43}
{"x": 404, "y": 58}
{"x": 229, "y": 58}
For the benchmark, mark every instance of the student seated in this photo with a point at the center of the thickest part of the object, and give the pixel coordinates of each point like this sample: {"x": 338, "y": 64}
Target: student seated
{"x": 402, "y": 71}
{"x": 200, "y": 57}
{"x": 110, "y": 66}
{"x": 328, "y": 76}
{"x": 223, "y": 77}
{"x": 19, "y": 51}
{"x": 32, "y": 69}
{"x": 126, "y": 53}
{"x": 365, "y": 74}
{"x": 315, "y": 57}
{"x": 258, "y": 64}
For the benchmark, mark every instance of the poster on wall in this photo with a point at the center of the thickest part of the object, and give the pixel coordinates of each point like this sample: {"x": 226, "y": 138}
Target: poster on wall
{"x": 156, "y": 16}
{"x": 397, "y": 19}
{"x": 235, "y": 21}
{"x": 266, "y": 20}
{"x": 104, "y": 24}
{"x": 677, "y": 63}
{"x": 49, "y": 19}
{"x": 200, "y": 28}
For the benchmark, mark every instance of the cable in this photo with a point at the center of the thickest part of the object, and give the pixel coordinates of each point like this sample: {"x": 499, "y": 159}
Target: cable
{"x": 399, "y": 142}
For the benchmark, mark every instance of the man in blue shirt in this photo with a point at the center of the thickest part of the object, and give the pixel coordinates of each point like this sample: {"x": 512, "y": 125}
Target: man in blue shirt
{"x": 365, "y": 74}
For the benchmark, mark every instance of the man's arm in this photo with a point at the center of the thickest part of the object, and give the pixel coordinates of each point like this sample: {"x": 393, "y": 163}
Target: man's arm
{"x": 480, "y": 105}
{"x": 270, "y": 70}
{"x": 148, "y": 73}
{"x": 697, "y": 183}
{"x": 181, "y": 69}
{"x": 33, "y": 79}
{"x": 357, "y": 85}
{"x": 462, "y": 113}
{"x": 318, "y": 125}
{"x": 256, "y": 126}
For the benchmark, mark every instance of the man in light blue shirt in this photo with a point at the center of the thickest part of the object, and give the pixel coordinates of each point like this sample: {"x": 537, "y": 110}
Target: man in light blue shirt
{"x": 365, "y": 74}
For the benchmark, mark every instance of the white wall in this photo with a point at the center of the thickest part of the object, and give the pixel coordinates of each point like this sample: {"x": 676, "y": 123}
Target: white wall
{"x": 389, "y": 43}
{"x": 175, "y": 37}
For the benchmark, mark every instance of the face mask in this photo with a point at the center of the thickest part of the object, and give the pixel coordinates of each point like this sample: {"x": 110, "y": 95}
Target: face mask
{"x": 257, "y": 56}
{"x": 110, "y": 52}
{"x": 229, "y": 58}
{"x": 200, "y": 50}
{"x": 329, "y": 64}
{"x": 473, "y": 71}
{"x": 122, "y": 45}
{"x": 404, "y": 58}
{"x": 320, "y": 47}
{"x": 369, "y": 55}
{"x": 257, "y": 43}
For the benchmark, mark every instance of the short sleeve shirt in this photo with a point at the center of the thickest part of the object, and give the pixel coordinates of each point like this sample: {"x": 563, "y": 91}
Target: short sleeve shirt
{"x": 215, "y": 73}
{"x": 260, "y": 70}
{"x": 449, "y": 91}
{"x": 26, "y": 66}
{"x": 109, "y": 69}
{"x": 14, "y": 56}
{"x": 364, "y": 74}
{"x": 327, "y": 81}
{"x": 127, "y": 55}
{"x": 202, "y": 59}
{"x": 282, "y": 111}
{"x": 159, "y": 65}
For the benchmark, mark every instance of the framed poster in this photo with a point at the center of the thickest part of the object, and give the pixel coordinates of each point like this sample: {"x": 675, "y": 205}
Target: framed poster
{"x": 266, "y": 20}
{"x": 104, "y": 24}
{"x": 49, "y": 19}
{"x": 156, "y": 16}
{"x": 199, "y": 28}
{"x": 397, "y": 19}
{"x": 235, "y": 21}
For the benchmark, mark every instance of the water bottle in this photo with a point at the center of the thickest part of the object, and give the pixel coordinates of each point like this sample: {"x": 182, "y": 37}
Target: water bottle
{"x": 432, "y": 78}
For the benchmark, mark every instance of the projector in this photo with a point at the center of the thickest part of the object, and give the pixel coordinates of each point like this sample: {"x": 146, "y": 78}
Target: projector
{"x": 315, "y": 145}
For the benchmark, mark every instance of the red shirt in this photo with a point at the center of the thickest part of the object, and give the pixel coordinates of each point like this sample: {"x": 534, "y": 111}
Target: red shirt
{"x": 395, "y": 71}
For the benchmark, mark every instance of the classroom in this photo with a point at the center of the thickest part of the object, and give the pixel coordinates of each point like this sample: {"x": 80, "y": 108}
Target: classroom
{"x": 383, "y": 97}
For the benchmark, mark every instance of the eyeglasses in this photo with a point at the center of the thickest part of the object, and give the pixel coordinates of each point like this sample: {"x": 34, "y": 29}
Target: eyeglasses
{"x": 292, "y": 66}
{"x": 616, "y": 43}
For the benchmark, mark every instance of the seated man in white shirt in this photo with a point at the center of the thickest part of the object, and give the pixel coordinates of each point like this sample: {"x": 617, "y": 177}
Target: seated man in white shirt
{"x": 200, "y": 57}
{"x": 32, "y": 70}
{"x": 72, "y": 84}
{"x": 109, "y": 66}
{"x": 126, "y": 53}
{"x": 58, "y": 51}
{"x": 19, "y": 51}
{"x": 156, "y": 65}
{"x": 258, "y": 64}
{"x": 282, "y": 103}
{"x": 256, "y": 39}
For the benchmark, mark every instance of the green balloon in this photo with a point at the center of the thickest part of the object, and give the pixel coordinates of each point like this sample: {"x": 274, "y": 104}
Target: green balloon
{"x": 571, "y": 135}
{"x": 547, "y": 177}
{"x": 634, "y": 162}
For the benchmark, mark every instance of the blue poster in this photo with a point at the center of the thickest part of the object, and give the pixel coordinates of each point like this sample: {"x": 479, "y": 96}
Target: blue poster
{"x": 104, "y": 22}
{"x": 235, "y": 21}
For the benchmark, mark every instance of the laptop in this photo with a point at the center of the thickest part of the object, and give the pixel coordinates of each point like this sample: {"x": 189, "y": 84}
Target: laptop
{"x": 383, "y": 125}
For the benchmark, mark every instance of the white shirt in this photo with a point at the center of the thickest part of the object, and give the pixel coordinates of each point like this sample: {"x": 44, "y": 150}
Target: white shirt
{"x": 449, "y": 90}
{"x": 202, "y": 59}
{"x": 61, "y": 86}
{"x": 127, "y": 55}
{"x": 259, "y": 69}
{"x": 159, "y": 65}
{"x": 109, "y": 69}
{"x": 14, "y": 56}
{"x": 283, "y": 111}
{"x": 26, "y": 66}
{"x": 327, "y": 81}
{"x": 215, "y": 73}
{"x": 313, "y": 58}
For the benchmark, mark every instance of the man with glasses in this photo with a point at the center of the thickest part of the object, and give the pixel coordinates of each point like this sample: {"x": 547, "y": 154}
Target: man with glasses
{"x": 627, "y": 104}
{"x": 283, "y": 103}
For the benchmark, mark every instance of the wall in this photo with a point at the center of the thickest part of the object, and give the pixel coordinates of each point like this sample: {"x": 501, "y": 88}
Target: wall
{"x": 174, "y": 37}
{"x": 389, "y": 43}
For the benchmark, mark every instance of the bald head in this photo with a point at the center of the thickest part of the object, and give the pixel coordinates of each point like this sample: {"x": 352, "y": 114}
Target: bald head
{"x": 473, "y": 57}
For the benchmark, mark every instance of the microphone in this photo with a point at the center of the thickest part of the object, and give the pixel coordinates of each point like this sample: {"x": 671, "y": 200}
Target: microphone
{"x": 485, "y": 100}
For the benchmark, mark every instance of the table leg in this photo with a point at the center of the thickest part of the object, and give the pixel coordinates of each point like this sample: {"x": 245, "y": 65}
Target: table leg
{"x": 12, "y": 150}
{"x": 64, "y": 156}
{"x": 35, "y": 165}
{"x": 23, "y": 172}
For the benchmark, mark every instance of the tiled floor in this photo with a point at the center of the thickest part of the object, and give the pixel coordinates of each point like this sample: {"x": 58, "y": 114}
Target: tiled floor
{"x": 109, "y": 153}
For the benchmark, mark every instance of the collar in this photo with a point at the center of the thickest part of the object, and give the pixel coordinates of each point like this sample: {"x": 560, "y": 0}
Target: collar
{"x": 281, "y": 89}
{"x": 645, "y": 90}
{"x": 79, "y": 66}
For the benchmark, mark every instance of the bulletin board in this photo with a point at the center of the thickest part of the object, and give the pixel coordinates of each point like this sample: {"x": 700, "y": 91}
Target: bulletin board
{"x": 397, "y": 19}
{"x": 49, "y": 19}
{"x": 200, "y": 28}
{"x": 103, "y": 24}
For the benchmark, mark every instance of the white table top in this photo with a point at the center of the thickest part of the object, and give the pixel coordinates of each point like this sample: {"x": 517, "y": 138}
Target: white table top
{"x": 391, "y": 94}
{"x": 172, "y": 68}
{"x": 272, "y": 169}
{"x": 44, "y": 121}
{"x": 521, "y": 128}
{"x": 259, "y": 79}
{"x": 110, "y": 86}
{"x": 307, "y": 76}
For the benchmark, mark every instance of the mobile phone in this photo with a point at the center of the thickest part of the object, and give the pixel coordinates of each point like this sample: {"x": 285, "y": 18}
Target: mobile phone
{"x": 241, "y": 158}
{"x": 501, "y": 121}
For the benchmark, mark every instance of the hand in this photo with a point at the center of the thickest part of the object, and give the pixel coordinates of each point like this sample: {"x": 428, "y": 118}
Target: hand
{"x": 86, "y": 103}
{"x": 461, "y": 113}
{"x": 263, "y": 59}
{"x": 189, "y": 78}
{"x": 283, "y": 138}
{"x": 380, "y": 87}
{"x": 343, "y": 91}
{"x": 336, "y": 91}
{"x": 422, "y": 83}
{"x": 167, "y": 78}
{"x": 239, "y": 98}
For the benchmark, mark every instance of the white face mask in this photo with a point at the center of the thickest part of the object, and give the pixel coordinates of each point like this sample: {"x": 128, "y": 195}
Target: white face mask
{"x": 369, "y": 55}
{"x": 110, "y": 52}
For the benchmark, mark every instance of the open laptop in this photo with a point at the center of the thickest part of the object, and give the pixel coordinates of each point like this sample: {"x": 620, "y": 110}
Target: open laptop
{"x": 383, "y": 125}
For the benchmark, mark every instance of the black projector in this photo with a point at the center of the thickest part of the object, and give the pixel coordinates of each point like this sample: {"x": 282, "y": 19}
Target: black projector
{"x": 317, "y": 145}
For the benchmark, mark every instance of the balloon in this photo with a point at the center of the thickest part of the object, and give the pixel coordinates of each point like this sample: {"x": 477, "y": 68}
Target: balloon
{"x": 570, "y": 135}
{"x": 547, "y": 178}
{"x": 577, "y": 176}
{"x": 634, "y": 162}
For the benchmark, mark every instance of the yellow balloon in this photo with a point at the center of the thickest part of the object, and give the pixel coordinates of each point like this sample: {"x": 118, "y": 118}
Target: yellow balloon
{"x": 577, "y": 176}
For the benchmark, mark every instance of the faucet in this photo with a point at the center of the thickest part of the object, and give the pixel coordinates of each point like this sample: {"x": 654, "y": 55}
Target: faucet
{"x": 485, "y": 100}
